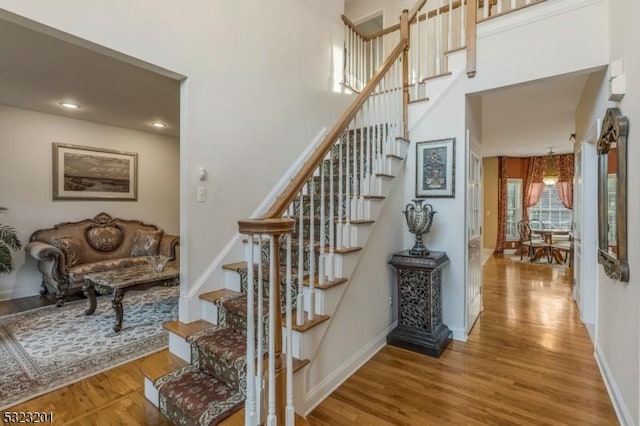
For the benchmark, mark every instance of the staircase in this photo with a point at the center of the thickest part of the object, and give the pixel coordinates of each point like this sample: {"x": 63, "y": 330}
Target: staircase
{"x": 212, "y": 385}
{"x": 270, "y": 318}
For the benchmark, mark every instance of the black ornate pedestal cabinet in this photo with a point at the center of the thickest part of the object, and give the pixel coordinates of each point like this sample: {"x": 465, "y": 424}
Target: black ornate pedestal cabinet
{"x": 420, "y": 326}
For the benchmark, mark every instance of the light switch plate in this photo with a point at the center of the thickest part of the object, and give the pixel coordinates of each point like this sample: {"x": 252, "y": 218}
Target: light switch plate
{"x": 201, "y": 194}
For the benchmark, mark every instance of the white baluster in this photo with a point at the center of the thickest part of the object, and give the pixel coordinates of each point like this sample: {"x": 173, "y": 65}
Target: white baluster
{"x": 322, "y": 259}
{"x": 354, "y": 170}
{"x": 462, "y": 23}
{"x": 417, "y": 76}
{"x": 330, "y": 258}
{"x": 438, "y": 41}
{"x": 346, "y": 229}
{"x": 272, "y": 420}
{"x": 427, "y": 66}
{"x": 339, "y": 225}
{"x": 499, "y": 7}
{"x": 450, "y": 32}
{"x": 300, "y": 298}
{"x": 311, "y": 314}
{"x": 486, "y": 9}
{"x": 290, "y": 412}
{"x": 260, "y": 338}
{"x": 513, "y": 4}
{"x": 363, "y": 132}
{"x": 527, "y": 1}
{"x": 367, "y": 175}
{"x": 250, "y": 417}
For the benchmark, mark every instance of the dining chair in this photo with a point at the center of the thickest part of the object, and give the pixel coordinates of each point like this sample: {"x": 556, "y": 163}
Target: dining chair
{"x": 530, "y": 244}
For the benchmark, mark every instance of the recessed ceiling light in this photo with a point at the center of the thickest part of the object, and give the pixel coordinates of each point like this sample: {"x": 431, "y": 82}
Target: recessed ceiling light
{"x": 69, "y": 105}
{"x": 158, "y": 125}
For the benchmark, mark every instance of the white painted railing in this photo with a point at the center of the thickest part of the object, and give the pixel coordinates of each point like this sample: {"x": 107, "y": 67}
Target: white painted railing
{"x": 363, "y": 55}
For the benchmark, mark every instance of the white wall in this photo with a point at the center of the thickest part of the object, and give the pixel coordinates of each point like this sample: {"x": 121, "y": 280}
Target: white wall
{"x": 257, "y": 90}
{"x": 356, "y": 10}
{"x": 618, "y": 310}
{"x": 448, "y": 231}
{"x": 26, "y": 181}
{"x": 552, "y": 38}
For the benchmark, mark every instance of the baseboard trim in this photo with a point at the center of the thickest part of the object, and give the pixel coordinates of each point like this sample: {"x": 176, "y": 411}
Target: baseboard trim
{"x": 17, "y": 294}
{"x": 459, "y": 334}
{"x": 624, "y": 416}
{"x": 330, "y": 383}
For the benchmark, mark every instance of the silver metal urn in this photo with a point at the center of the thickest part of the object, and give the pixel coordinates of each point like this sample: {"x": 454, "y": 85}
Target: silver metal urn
{"x": 419, "y": 219}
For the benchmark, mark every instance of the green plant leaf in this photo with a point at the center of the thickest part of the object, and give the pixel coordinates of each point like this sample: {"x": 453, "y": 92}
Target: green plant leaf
{"x": 5, "y": 260}
{"x": 9, "y": 237}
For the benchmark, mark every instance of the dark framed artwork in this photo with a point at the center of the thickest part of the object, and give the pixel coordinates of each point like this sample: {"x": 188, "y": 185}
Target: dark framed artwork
{"x": 90, "y": 173}
{"x": 435, "y": 168}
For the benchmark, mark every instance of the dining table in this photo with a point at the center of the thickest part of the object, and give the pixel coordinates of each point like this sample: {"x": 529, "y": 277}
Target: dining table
{"x": 548, "y": 235}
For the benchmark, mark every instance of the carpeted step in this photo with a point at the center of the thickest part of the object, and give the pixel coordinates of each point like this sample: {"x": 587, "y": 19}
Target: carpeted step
{"x": 189, "y": 396}
{"x": 221, "y": 353}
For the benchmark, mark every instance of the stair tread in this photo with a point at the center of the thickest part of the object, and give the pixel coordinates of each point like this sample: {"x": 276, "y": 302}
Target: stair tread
{"x": 192, "y": 392}
{"x": 347, "y": 250}
{"x": 374, "y": 197}
{"x": 397, "y": 157}
{"x": 401, "y": 139}
{"x": 362, "y": 222}
{"x": 234, "y": 266}
{"x": 185, "y": 330}
{"x": 326, "y": 285}
{"x": 161, "y": 363}
{"x": 309, "y": 324}
{"x": 385, "y": 175}
{"x": 216, "y": 295}
{"x": 415, "y": 101}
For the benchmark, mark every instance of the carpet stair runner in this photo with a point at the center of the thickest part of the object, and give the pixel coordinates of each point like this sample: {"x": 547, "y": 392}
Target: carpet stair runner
{"x": 212, "y": 387}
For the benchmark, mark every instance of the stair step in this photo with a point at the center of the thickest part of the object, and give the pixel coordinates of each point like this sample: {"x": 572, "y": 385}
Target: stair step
{"x": 190, "y": 396}
{"x": 385, "y": 176}
{"x": 401, "y": 139}
{"x": 397, "y": 157}
{"x": 362, "y": 222}
{"x": 374, "y": 197}
{"x": 185, "y": 330}
{"x": 326, "y": 285}
{"x": 347, "y": 250}
{"x": 235, "y": 267}
{"x": 214, "y": 296}
{"x": 161, "y": 363}
{"x": 308, "y": 324}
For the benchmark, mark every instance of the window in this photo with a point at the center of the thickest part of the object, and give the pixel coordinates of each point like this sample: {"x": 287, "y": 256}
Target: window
{"x": 514, "y": 208}
{"x": 550, "y": 211}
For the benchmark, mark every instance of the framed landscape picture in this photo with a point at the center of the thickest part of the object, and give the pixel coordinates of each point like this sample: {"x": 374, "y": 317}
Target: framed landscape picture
{"x": 89, "y": 173}
{"x": 435, "y": 168}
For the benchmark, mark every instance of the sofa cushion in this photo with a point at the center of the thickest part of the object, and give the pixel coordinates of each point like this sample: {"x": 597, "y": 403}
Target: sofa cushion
{"x": 146, "y": 242}
{"x": 71, "y": 248}
{"x": 104, "y": 238}
{"x": 77, "y": 273}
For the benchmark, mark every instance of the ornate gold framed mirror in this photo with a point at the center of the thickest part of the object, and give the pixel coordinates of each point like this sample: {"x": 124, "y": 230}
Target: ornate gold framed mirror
{"x": 612, "y": 195}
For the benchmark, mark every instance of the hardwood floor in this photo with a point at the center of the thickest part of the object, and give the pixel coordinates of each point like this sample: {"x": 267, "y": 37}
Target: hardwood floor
{"x": 528, "y": 361}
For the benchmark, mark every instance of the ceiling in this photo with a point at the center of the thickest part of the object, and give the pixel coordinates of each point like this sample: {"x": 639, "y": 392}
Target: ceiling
{"x": 38, "y": 71}
{"x": 529, "y": 119}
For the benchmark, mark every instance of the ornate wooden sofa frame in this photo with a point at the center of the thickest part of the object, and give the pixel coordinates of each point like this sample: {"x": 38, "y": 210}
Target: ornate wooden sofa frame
{"x": 70, "y": 250}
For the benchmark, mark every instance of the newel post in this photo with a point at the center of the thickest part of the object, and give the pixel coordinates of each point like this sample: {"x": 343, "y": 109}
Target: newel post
{"x": 277, "y": 386}
{"x": 404, "y": 35}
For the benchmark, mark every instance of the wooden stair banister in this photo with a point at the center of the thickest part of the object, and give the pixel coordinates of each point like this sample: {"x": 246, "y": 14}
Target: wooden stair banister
{"x": 291, "y": 191}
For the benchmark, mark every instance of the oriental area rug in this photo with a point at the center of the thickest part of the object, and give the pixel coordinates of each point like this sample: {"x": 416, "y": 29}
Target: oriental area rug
{"x": 48, "y": 348}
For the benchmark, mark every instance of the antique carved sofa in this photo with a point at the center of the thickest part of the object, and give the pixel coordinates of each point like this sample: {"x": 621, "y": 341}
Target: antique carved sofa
{"x": 69, "y": 251}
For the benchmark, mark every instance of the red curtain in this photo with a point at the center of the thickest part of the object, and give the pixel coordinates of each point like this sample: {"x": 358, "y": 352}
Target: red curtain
{"x": 565, "y": 167}
{"x": 502, "y": 205}
{"x": 532, "y": 184}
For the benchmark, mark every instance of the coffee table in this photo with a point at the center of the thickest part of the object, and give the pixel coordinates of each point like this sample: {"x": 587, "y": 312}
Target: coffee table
{"x": 135, "y": 278}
